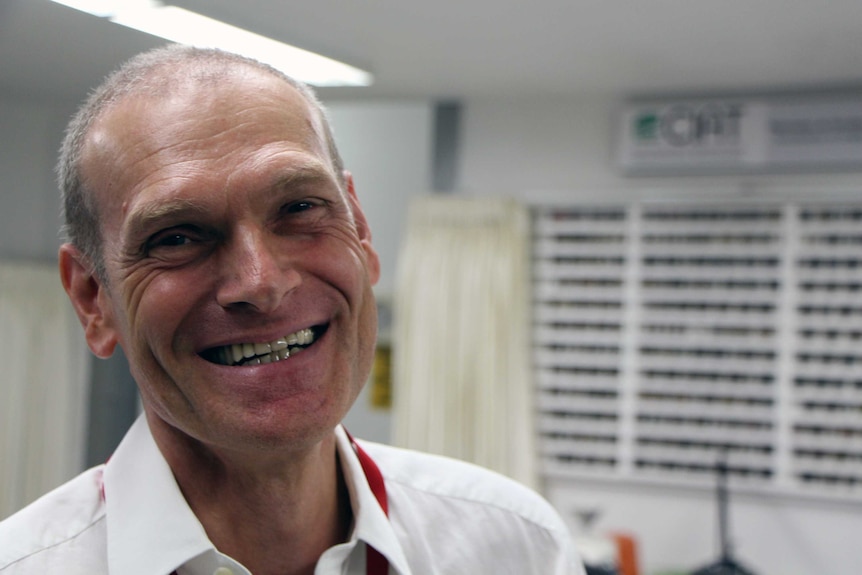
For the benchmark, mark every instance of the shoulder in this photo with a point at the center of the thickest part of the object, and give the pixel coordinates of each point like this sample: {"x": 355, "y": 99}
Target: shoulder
{"x": 476, "y": 515}
{"x": 448, "y": 478}
{"x": 59, "y": 530}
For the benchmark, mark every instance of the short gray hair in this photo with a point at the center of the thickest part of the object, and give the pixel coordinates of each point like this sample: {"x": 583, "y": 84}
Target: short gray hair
{"x": 151, "y": 72}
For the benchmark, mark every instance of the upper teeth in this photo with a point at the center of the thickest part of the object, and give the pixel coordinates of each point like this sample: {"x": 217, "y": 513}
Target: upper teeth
{"x": 257, "y": 353}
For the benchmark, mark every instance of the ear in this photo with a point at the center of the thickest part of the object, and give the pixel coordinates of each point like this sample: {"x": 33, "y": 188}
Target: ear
{"x": 90, "y": 300}
{"x": 372, "y": 260}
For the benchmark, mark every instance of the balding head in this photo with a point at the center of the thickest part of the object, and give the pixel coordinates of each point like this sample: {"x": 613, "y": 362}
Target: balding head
{"x": 157, "y": 74}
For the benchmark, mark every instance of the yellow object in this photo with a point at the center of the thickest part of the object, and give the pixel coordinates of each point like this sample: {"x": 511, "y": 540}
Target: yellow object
{"x": 381, "y": 378}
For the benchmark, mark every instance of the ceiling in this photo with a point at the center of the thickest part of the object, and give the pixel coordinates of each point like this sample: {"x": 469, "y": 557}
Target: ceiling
{"x": 463, "y": 49}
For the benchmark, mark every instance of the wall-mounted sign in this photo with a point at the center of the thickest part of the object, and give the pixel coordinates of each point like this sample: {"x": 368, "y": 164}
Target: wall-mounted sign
{"x": 741, "y": 135}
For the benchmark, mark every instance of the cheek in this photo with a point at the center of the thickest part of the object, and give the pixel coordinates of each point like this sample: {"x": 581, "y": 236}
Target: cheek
{"x": 348, "y": 265}
{"x": 368, "y": 333}
{"x": 155, "y": 306}
{"x": 343, "y": 266}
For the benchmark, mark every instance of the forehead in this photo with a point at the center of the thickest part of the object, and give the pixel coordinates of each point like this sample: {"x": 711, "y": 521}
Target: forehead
{"x": 243, "y": 109}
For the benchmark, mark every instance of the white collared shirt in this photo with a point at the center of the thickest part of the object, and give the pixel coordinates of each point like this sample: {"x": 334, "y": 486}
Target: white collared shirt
{"x": 129, "y": 517}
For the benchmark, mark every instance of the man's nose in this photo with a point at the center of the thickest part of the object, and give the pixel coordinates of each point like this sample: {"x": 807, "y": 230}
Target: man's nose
{"x": 257, "y": 272}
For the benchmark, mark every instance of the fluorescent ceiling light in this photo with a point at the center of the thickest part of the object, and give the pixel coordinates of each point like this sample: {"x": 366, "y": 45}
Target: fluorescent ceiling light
{"x": 186, "y": 27}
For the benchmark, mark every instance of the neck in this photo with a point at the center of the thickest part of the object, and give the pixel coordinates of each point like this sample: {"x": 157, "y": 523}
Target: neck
{"x": 273, "y": 514}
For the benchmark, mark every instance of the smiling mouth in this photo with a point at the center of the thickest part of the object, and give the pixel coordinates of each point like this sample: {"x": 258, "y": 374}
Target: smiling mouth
{"x": 239, "y": 354}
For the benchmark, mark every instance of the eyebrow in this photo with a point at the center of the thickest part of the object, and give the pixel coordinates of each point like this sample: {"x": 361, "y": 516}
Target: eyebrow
{"x": 141, "y": 221}
{"x": 306, "y": 173}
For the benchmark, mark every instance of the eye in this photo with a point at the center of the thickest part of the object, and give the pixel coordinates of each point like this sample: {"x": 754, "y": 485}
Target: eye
{"x": 172, "y": 239}
{"x": 301, "y": 215}
{"x": 300, "y": 206}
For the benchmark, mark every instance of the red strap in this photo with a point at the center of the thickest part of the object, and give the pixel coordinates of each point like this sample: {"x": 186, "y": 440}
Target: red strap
{"x": 375, "y": 562}
{"x": 374, "y": 477}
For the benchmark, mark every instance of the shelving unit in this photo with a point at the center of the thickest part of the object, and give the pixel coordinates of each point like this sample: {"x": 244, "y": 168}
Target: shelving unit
{"x": 668, "y": 333}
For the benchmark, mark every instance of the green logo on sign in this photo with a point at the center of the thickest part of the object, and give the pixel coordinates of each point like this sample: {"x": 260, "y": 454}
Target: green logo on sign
{"x": 646, "y": 126}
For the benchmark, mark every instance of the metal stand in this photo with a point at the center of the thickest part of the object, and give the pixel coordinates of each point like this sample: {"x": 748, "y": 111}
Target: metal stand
{"x": 726, "y": 565}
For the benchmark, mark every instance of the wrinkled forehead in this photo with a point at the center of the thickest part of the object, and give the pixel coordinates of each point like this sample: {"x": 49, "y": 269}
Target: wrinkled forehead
{"x": 170, "y": 109}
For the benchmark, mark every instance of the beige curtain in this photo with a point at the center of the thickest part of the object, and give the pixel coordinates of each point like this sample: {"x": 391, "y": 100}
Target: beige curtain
{"x": 42, "y": 386}
{"x": 461, "y": 334}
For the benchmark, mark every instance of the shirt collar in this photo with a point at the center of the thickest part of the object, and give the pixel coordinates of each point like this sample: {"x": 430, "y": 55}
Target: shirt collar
{"x": 151, "y": 528}
{"x": 144, "y": 538}
{"x": 370, "y": 522}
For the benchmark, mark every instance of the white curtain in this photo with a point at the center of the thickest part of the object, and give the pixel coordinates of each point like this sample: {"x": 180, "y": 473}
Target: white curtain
{"x": 42, "y": 385}
{"x": 460, "y": 344}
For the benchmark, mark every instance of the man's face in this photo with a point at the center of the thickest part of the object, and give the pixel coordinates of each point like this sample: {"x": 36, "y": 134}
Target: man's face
{"x": 226, "y": 235}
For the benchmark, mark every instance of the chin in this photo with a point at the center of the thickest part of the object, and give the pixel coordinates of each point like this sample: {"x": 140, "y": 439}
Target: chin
{"x": 280, "y": 430}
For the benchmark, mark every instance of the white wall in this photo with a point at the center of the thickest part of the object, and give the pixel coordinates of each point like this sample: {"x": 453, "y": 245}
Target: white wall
{"x": 558, "y": 149}
{"x": 29, "y": 202}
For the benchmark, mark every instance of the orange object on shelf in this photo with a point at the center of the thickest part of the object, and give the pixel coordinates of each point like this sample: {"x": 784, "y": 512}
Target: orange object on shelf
{"x": 627, "y": 561}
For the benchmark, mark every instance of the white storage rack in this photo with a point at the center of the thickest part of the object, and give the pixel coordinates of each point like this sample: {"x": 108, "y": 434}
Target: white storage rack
{"x": 671, "y": 334}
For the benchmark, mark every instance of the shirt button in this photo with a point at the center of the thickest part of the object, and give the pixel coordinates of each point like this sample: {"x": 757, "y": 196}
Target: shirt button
{"x": 223, "y": 571}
